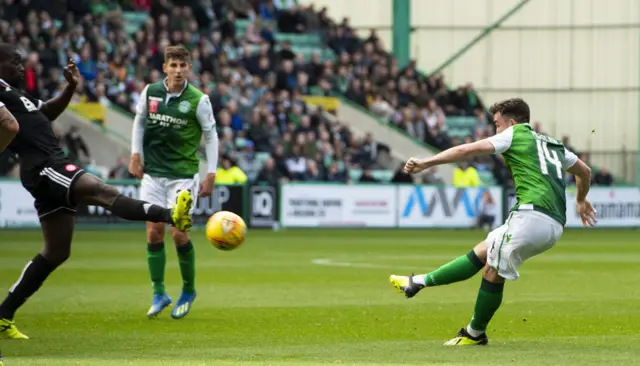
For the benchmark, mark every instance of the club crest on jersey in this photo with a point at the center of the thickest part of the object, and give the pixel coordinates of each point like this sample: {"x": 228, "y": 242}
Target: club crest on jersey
{"x": 184, "y": 106}
{"x": 70, "y": 168}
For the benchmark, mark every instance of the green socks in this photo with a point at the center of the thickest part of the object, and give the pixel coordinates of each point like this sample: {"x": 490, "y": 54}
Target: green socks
{"x": 187, "y": 260}
{"x": 156, "y": 259}
{"x": 459, "y": 269}
{"x": 488, "y": 301}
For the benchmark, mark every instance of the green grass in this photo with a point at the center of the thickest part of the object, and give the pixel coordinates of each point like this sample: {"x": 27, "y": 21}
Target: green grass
{"x": 322, "y": 296}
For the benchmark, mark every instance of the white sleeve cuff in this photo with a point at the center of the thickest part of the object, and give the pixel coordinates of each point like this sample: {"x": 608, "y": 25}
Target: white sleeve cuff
{"x": 570, "y": 159}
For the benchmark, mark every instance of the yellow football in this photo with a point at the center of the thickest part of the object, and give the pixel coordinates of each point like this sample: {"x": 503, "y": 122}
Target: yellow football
{"x": 226, "y": 230}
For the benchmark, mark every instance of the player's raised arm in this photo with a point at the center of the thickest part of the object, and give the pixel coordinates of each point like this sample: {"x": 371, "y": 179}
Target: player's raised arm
{"x": 53, "y": 108}
{"x": 137, "y": 136}
{"x": 452, "y": 155}
{"x": 210, "y": 136}
{"x": 8, "y": 127}
{"x": 582, "y": 172}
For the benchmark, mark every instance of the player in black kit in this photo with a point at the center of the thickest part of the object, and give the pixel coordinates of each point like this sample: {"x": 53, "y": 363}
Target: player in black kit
{"x": 58, "y": 185}
{"x": 8, "y": 130}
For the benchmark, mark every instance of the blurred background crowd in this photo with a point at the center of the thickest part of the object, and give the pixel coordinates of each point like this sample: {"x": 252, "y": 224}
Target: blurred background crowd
{"x": 257, "y": 60}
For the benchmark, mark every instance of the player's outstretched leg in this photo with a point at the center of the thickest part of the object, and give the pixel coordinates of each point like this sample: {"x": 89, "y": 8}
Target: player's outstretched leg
{"x": 187, "y": 260}
{"x": 57, "y": 229}
{"x": 90, "y": 190}
{"x": 459, "y": 269}
{"x": 487, "y": 303}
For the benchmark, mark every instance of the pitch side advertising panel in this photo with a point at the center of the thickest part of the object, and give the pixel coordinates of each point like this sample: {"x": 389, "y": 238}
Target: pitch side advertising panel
{"x": 16, "y": 206}
{"x": 318, "y": 205}
{"x": 444, "y": 207}
{"x": 616, "y": 206}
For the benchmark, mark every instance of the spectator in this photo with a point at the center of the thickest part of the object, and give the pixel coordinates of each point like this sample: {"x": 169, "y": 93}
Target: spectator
{"x": 603, "y": 178}
{"x": 256, "y": 93}
{"x": 229, "y": 172}
{"x": 367, "y": 176}
{"x": 466, "y": 175}
{"x": 270, "y": 173}
{"x": 121, "y": 170}
{"x": 400, "y": 176}
{"x": 75, "y": 145}
{"x": 487, "y": 211}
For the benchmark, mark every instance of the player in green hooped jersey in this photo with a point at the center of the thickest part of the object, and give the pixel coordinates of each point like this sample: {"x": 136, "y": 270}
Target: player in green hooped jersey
{"x": 172, "y": 118}
{"x": 537, "y": 164}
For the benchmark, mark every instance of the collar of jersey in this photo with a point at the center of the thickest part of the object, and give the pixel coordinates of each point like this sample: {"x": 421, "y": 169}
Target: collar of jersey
{"x": 4, "y": 83}
{"x": 166, "y": 86}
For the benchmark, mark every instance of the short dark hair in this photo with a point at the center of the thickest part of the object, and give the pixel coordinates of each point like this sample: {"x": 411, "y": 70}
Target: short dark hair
{"x": 179, "y": 53}
{"x": 6, "y": 51}
{"x": 514, "y": 108}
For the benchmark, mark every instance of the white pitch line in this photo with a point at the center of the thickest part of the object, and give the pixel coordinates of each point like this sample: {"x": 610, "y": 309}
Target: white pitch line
{"x": 332, "y": 263}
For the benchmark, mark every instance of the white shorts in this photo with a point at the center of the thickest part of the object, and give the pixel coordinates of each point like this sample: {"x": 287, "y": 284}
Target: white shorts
{"x": 164, "y": 191}
{"x": 524, "y": 235}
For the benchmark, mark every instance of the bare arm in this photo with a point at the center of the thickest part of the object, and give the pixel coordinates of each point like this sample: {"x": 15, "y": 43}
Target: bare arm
{"x": 8, "y": 127}
{"x": 54, "y": 107}
{"x": 583, "y": 179}
{"x": 454, "y": 154}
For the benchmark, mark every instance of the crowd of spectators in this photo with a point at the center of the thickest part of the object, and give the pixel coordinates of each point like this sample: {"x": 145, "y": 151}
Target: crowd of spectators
{"x": 258, "y": 105}
{"x": 256, "y": 83}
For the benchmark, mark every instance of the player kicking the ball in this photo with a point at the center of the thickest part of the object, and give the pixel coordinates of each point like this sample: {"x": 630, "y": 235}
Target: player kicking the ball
{"x": 171, "y": 118}
{"x": 8, "y": 130}
{"x": 537, "y": 164}
{"x": 57, "y": 185}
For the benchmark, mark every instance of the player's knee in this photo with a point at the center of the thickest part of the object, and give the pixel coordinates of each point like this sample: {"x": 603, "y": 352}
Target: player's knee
{"x": 56, "y": 257}
{"x": 155, "y": 233}
{"x": 481, "y": 251}
{"x": 179, "y": 238}
{"x": 107, "y": 194}
{"x": 491, "y": 275}
{"x": 93, "y": 191}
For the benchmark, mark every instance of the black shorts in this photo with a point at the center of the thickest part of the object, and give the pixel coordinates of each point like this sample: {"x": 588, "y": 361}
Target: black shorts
{"x": 51, "y": 187}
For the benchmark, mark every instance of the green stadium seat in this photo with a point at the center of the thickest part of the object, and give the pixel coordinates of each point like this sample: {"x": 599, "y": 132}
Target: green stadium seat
{"x": 133, "y": 20}
{"x": 311, "y": 40}
{"x": 468, "y": 122}
{"x": 242, "y": 25}
{"x": 383, "y": 175}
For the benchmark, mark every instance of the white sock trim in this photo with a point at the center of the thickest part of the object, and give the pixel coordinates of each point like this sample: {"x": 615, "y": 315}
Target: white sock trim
{"x": 420, "y": 279}
{"x": 474, "y": 333}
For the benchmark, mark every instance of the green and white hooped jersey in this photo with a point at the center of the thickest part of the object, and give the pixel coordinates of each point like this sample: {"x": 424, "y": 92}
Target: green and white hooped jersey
{"x": 537, "y": 164}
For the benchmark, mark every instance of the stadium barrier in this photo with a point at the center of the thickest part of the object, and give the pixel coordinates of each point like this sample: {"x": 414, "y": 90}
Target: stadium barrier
{"x": 300, "y": 205}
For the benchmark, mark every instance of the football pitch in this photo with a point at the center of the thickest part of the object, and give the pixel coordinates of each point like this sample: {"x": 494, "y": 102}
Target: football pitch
{"x": 300, "y": 297}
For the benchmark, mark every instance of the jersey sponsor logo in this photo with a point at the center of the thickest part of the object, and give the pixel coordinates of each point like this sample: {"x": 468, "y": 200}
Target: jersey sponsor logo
{"x": 153, "y": 106}
{"x": 184, "y": 106}
{"x": 167, "y": 121}
{"x": 70, "y": 168}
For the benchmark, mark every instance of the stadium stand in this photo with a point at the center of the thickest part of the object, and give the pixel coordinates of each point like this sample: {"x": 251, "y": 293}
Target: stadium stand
{"x": 261, "y": 62}
{"x": 253, "y": 71}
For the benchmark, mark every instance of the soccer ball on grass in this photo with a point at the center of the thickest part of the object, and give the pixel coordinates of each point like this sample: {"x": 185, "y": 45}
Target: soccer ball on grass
{"x": 226, "y": 230}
